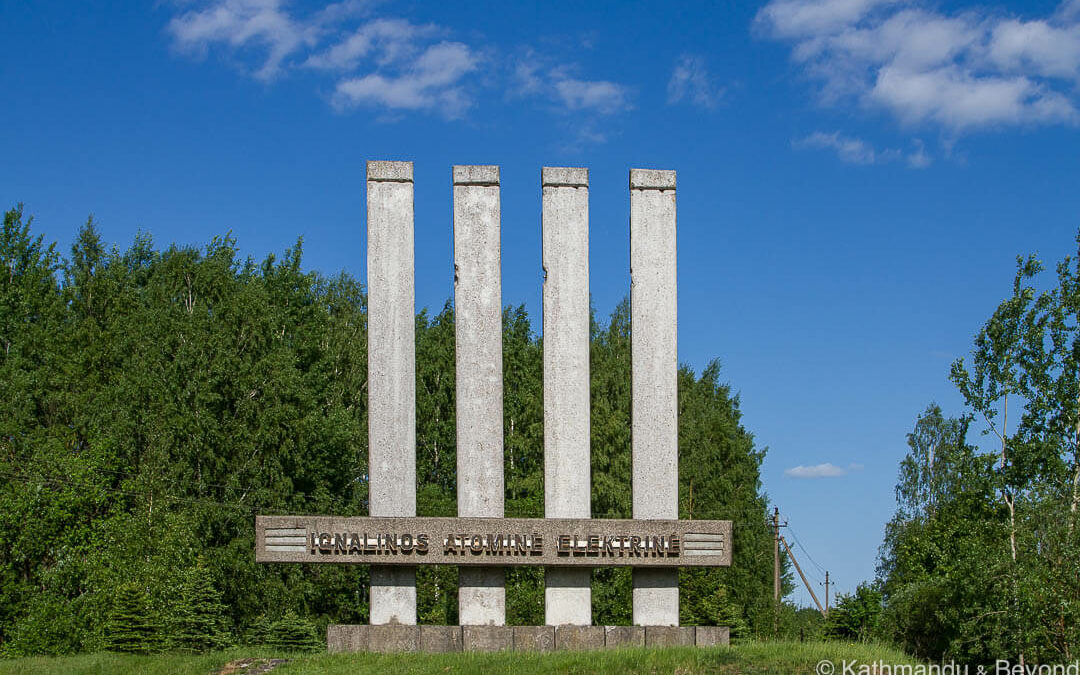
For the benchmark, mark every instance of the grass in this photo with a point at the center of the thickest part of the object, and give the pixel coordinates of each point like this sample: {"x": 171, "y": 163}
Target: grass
{"x": 756, "y": 658}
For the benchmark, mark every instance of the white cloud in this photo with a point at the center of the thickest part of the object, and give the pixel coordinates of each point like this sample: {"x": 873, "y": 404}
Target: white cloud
{"x": 800, "y": 18}
{"x": 691, "y": 81}
{"x": 383, "y": 61}
{"x": 430, "y": 83}
{"x": 598, "y": 95}
{"x": 857, "y": 151}
{"x": 533, "y": 76}
{"x": 241, "y": 24}
{"x": 826, "y": 470}
{"x": 850, "y": 150}
{"x": 389, "y": 40}
{"x": 918, "y": 158}
{"x": 959, "y": 72}
{"x": 379, "y": 61}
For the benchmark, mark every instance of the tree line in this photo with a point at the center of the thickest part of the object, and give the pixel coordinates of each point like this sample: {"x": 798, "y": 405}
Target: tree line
{"x": 981, "y": 560}
{"x": 156, "y": 399}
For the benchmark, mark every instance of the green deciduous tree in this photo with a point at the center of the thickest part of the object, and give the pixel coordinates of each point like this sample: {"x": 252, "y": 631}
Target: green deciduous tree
{"x": 158, "y": 398}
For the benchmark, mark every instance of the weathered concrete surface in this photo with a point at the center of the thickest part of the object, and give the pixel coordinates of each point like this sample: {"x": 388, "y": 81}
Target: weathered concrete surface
{"x": 393, "y": 595}
{"x": 342, "y": 638}
{"x": 478, "y": 331}
{"x": 567, "y": 592}
{"x": 669, "y": 636}
{"x": 712, "y": 636}
{"x": 654, "y": 391}
{"x": 579, "y": 638}
{"x": 440, "y": 639}
{"x": 624, "y": 636}
{"x": 392, "y": 638}
{"x": 391, "y": 374}
{"x": 559, "y": 542}
{"x": 534, "y": 638}
{"x": 487, "y": 638}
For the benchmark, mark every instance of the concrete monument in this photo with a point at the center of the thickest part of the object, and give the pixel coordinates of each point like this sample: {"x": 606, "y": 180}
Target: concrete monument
{"x": 567, "y": 542}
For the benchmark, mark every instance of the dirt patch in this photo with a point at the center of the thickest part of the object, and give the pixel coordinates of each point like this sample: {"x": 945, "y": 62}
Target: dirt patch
{"x": 250, "y": 666}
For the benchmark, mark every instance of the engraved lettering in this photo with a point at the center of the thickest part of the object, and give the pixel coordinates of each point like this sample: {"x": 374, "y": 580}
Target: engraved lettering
{"x": 341, "y": 544}
{"x": 407, "y": 543}
{"x": 354, "y": 544}
{"x": 562, "y": 546}
{"x": 654, "y": 546}
{"x": 476, "y": 544}
{"x": 538, "y": 544}
{"x": 325, "y": 543}
{"x": 391, "y": 543}
{"x": 675, "y": 544}
{"x": 422, "y": 544}
{"x": 593, "y": 547}
{"x": 495, "y": 544}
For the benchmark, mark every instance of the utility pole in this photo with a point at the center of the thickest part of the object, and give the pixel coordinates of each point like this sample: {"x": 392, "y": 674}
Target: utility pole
{"x": 776, "y": 555}
{"x": 826, "y": 592}
{"x": 776, "y": 569}
{"x": 803, "y": 576}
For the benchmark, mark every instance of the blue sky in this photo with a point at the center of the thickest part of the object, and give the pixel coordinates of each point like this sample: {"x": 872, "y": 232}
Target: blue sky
{"x": 855, "y": 177}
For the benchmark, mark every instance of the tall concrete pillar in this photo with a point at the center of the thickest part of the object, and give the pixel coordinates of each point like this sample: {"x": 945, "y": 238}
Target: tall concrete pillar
{"x": 391, "y": 375}
{"x": 654, "y": 363}
{"x": 478, "y": 331}
{"x": 568, "y": 591}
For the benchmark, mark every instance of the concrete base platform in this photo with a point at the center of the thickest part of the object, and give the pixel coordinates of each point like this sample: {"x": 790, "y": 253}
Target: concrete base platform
{"x": 534, "y": 638}
{"x": 487, "y": 638}
{"x": 579, "y": 638}
{"x": 397, "y": 638}
{"x": 712, "y": 636}
{"x": 439, "y": 639}
{"x": 616, "y": 637}
{"x": 669, "y": 636}
{"x": 386, "y": 638}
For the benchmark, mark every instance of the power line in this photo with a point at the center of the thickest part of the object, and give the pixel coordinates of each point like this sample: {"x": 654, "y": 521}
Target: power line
{"x": 808, "y": 556}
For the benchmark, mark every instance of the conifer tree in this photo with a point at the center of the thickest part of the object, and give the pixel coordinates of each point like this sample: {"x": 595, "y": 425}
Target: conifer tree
{"x": 293, "y": 633}
{"x": 131, "y": 627}
{"x": 199, "y": 617}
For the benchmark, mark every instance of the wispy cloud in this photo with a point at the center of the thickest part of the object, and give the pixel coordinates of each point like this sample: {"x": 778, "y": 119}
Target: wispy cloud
{"x": 959, "y": 72}
{"x": 559, "y": 85}
{"x": 384, "y": 62}
{"x": 857, "y": 151}
{"x": 244, "y": 24}
{"x": 825, "y": 470}
{"x": 690, "y": 81}
{"x": 430, "y": 82}
{"x": 388, "y": 41}
{"x": 563, "y": 91}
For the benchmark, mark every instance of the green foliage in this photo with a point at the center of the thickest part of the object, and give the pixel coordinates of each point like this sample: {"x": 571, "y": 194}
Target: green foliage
{"x": 198, "y": 622}
{"x": 158, "y": 398}
{"x": 292, "y": 633}
{"x": 980, "y": 561}
{"x": 132, "y": 626}
{"x": 855, "y": 616}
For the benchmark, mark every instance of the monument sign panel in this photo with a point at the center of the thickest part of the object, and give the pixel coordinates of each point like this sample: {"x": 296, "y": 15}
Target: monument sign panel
{"x": 481, "y": 542}
{"x": 554, "y": 542}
